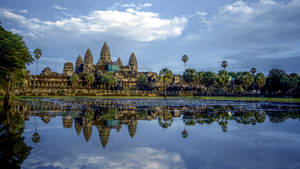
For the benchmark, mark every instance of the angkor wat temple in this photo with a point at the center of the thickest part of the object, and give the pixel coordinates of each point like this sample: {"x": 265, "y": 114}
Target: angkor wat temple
{"x": 53, "y": 83}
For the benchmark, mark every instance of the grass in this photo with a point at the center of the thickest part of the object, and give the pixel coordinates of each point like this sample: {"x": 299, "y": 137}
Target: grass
{"x": 262, "y": 99}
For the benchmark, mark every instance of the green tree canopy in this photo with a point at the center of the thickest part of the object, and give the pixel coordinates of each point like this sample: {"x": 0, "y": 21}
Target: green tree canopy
{"x": 273, "y": 80}
{"x": 224, "y": 64}
{"x": 109, "y": 80}
{"x": 223, "y": 79}
{"x": 184, "y": 59}
{"x": 260, "y": 80}
{"x": 89, "y": 79}
{"x": 14, "y": 56}
{"x": 166, "y": 76}
{"x": 189, "y": 75}
{"x": 209, "y": 79}
{"x": 74, "y": 80}
{"x": 142, "y": 82}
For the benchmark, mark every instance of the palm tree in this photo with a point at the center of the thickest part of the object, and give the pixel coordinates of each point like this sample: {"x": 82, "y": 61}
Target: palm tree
{"x": 253, "y": 71}
{"x": 166, "y": 76}
{"x": 74, "y": 80}
{"x": 224, "y": 64}
{"x": 89, "y": 79}
{"x": 37, "y": 54}
{"x": 260, "y": 80}
{"x": 185, "y": 58}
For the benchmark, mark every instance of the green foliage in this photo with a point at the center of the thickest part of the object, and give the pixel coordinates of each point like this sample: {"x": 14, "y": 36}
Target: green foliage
{"x": 199, "y": 77}
{"x": 37, "y": 53}
{"x": 109, "y": 80}
{"x": 253, "y": 71}
{"x": 13, "y": 52}
{"x": 74, "y": 80}
{"x": 260, "y": 80}
{"x": 223, "y": 79}
{"x": 189, "y": 75}
{"x": 209, "y": 79}
{"x": 89, "y": 79}
{"x": 247, "y": 79}
{"x": 274, "y": 78}
{"x": 224, "y": 64}
{"x": 166, "y": 76}
{"x": 289, "y": 82}
{"x": 184, "y": 59}
{"x": 142, "y": 82}
{"x": 14, "y": 56}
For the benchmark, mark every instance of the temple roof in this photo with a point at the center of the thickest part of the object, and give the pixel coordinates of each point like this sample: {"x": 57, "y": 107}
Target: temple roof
{"x": 79, "y": 60}
{"x": 132, "y": 59}
{"x": 104, "y": 55}
{"x": 88, "y": 58}
{"x": 120, "y": 62}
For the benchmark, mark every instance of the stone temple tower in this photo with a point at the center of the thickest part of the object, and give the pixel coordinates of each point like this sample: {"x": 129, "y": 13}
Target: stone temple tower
{"x": 79, "y": 64}
{"x": 68, "y": 69}
{"x": 104, "y": 56}
{"x": 133, "y": 63}
{"x": 88, "y": 65}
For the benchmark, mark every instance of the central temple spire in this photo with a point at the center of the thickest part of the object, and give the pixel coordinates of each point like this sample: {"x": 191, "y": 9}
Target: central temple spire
{"x": 104, "y": 56}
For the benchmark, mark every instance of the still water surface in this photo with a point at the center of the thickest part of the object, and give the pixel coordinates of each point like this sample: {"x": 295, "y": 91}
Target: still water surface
{"x": 160, "y": 133}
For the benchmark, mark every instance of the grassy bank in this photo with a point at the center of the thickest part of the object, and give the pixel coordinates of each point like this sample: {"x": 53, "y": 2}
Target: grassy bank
{"x": 263, "y": 99}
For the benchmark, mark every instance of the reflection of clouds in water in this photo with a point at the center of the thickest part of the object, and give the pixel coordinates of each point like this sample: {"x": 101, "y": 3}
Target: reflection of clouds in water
{"x": 42, "y": 128}
{"x": 139, "y": 157}
{"x": 277, "y": 138}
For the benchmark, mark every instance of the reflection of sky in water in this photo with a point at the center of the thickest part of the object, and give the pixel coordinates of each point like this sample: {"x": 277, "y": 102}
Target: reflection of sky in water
{"x": 264, "y": 145}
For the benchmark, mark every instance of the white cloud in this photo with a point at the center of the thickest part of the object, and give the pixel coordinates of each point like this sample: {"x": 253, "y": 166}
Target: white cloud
{"x": 55, "y": 6}
{"x": 133, "y": 158}
{"x": 267, "y": 2}
{"x": 238, "y": 7}
{"x": 23, "y": 11}
{"x": 131, "y": 5}
{"x": 130, "y": 24}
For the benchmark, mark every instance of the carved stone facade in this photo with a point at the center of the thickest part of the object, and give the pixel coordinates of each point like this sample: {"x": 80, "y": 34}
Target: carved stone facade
{"x": 68, "y": 69}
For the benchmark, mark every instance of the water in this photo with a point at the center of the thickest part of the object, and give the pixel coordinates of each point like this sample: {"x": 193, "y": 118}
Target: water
{"x": 159, "y": 133}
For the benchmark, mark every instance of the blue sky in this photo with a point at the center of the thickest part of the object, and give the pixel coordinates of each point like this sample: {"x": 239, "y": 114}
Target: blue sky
{"x": 255, "y": 33}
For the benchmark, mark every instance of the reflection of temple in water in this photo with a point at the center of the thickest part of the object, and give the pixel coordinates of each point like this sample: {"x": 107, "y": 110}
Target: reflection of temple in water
{"x": 108, "y": 115}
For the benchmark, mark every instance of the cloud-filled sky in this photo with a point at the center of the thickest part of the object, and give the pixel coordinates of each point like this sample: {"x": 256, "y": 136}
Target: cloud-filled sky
{"x": 252, "y": 33}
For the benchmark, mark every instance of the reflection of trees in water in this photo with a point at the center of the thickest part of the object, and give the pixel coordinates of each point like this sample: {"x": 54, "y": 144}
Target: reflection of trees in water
{"x": 109, "y": 116}
{"x": 13, "y": 148}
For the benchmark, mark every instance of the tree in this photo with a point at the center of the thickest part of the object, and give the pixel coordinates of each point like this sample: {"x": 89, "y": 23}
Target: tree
{"x": 142, "y": 82}
{"x": 199, "y": 78}
{"x": 109, "y": 80}
{"x": 89, "y": 79}
{"x": 289, "y": 82}
{"x": 166, "y": 76}
{"x": 253, "y": 71}
{"x": 189, "y": 75}
{"x": 224, "y": 64}
{"x": 273, "y": 80}
{"x": 74, "y": 80}
{"x": 223, "y": 79}
{"x": 14, "y": 56}
{"x": 247, "y": 79}
{"x": 209, "y": 79}
{"x": 184, "y": 59}
{"x": 37, "y": 54}
{"x": 260, "y": 80}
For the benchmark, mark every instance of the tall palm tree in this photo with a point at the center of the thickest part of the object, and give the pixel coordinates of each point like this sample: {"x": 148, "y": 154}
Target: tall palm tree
{"x": 184, "y": 59}
{"x": 224, "y": 64}
{"x": 253, "y": 71}
{"x": 37, "y": 54}
{"x": 166, "y": 76}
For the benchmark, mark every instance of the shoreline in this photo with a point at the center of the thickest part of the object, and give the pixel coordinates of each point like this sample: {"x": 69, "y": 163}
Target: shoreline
{"x": 217, "y": 98}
